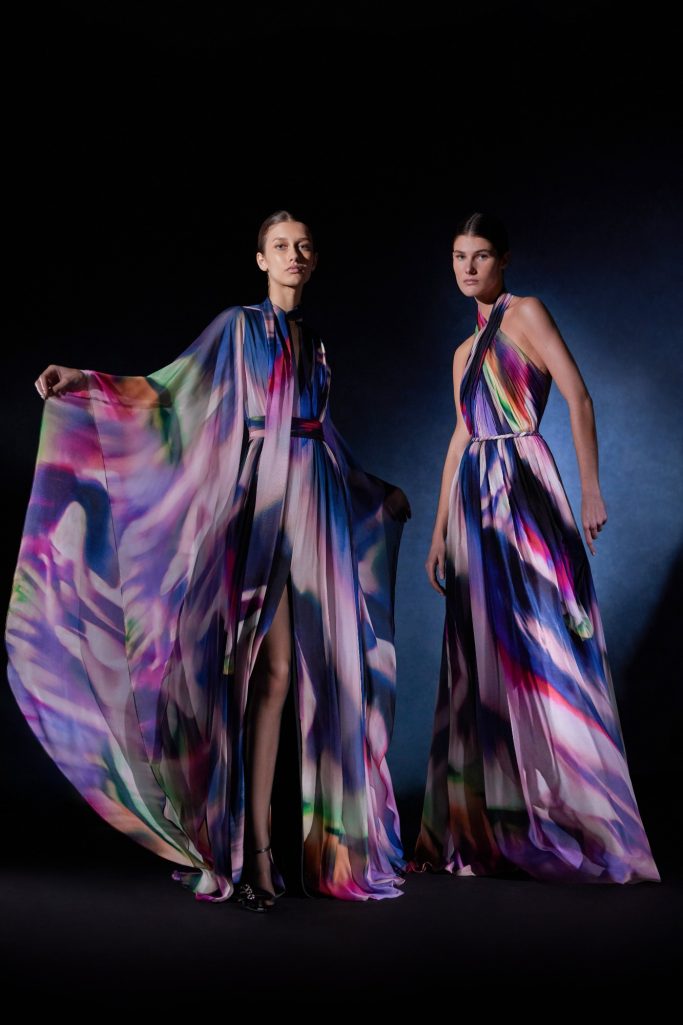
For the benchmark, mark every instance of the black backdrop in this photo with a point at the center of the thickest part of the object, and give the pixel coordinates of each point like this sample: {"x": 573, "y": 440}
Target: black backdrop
{"x": 146, "y": 144}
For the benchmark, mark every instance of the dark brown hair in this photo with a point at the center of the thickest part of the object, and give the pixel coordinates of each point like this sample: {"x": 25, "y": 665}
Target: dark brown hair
{"x": 277, "y": 218}
{"x": 485, "y": 226}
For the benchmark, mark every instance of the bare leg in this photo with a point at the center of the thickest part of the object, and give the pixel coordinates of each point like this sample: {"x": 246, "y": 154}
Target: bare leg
{"x": 268, "y": 689}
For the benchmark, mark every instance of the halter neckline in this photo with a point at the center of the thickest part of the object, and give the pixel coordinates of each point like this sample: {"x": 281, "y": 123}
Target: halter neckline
{"x": 502, "y": 300}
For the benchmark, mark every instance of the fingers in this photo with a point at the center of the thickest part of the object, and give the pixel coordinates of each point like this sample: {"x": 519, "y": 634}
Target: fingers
{"x": 437, "y": 587}
{"x": 594, "y": 518}
{"x": 593, "y": 523}
{"x": 45, "y": 388}
{"x": 65, "y": 383}
{"x": 429, "y": 567}
{"x": 590, "y": 532}
{"x": 588, "y": 536}
{"x": 43, "y": 384}
{"x": 56, "y": 380}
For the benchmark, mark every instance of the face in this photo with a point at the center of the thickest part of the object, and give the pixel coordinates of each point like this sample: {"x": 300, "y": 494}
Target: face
{"x": 478, "y": 269}
{"x": 288, "y": 254}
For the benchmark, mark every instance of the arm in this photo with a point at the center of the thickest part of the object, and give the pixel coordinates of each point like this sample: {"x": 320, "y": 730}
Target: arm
{"x": 144, "y": 390}
{"x": 456, "y": 447}
{"x": 119, "y": 389}
{"x": 543, "y": 337}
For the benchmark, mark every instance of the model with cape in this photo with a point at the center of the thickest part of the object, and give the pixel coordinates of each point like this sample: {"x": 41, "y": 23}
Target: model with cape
{"x": 166, "y": 513}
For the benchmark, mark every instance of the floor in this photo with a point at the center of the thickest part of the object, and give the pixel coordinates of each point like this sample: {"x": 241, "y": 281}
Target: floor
{"x": 103, "y": 920}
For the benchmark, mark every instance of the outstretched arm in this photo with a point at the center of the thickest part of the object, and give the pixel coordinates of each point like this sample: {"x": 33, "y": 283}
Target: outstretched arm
{"x": 456, "y": 447}
{"x": 56, "y": 381}
{"x": 543, "y": 336}
{"x": 159, "y": 388}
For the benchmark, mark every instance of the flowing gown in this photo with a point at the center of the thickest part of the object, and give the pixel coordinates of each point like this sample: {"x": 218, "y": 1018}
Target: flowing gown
{"x": 527, "y": 772}
{"x": 167, "y": 514}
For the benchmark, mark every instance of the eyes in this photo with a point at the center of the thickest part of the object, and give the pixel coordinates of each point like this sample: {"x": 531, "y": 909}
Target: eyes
{"x": 306, "y": 246}
{"x": 478, "y": 256}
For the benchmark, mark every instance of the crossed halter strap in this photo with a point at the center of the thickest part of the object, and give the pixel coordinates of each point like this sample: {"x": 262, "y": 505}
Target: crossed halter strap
{"x": 482, "y": 342}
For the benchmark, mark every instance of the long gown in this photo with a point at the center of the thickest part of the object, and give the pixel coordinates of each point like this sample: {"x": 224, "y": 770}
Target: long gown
{"x": 167, "y": 514}
{"x": 527, "y": 772}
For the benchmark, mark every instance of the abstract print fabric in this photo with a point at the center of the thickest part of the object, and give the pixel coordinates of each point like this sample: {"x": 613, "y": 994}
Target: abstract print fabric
{"x": 167, "y": 514}
{"x": 527, "y": 771}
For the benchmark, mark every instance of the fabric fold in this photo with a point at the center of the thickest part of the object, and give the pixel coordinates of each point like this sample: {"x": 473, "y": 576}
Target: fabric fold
{"x": 527, "y": 772}
{"x": 158, "y": 539}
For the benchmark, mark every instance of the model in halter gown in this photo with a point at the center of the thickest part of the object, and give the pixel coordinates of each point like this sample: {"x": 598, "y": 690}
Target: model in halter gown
{"x": 527, "y": 770}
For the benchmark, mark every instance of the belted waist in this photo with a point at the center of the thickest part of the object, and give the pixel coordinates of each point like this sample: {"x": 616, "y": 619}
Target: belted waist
{"x": 494, "y": 437}
{"x": 302, "y": 427}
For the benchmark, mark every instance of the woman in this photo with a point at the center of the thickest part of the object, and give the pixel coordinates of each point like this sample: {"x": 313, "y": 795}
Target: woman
{"x": 194, "y": 535}
{"x": 527, "y": 771}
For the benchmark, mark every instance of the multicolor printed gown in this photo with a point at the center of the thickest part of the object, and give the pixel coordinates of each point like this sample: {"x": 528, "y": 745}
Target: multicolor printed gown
{"x": 527, "y": 771}
{"x": 167, "y": 513}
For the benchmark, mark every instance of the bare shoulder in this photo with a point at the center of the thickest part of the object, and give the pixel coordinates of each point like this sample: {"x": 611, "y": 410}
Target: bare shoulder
{"x": 529, "y": 313}
{"x": 462, "y": 351}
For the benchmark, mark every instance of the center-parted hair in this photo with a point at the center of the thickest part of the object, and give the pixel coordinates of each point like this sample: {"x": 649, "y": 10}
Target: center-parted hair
{"x": 277, "y": 218}
{"x": 486, "y": 226}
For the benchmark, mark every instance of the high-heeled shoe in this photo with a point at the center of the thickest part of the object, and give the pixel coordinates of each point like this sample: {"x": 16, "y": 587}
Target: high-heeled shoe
{"x": 254, "y": 898}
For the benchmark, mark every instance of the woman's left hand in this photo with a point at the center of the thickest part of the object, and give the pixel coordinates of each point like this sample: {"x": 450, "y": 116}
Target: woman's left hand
{"x": 397, "y": 505}
{"x": 593, "y": 516}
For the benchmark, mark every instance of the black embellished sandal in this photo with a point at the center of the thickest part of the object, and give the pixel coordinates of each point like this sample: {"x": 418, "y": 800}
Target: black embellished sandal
{"x": 253, "y": 898}
{"x": 256, "y": 898}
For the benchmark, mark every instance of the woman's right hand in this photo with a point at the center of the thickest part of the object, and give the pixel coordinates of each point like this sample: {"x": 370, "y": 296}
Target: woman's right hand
{"x": 56, "y": 380}
{"x": 436, "y": 560}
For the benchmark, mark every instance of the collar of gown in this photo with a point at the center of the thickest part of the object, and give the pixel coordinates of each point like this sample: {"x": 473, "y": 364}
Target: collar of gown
{"x": 296, "y": 313}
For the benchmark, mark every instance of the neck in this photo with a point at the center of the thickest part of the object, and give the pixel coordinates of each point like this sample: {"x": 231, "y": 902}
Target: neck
{"x": 285, "y": 296}
{"x": 485, "y": 303}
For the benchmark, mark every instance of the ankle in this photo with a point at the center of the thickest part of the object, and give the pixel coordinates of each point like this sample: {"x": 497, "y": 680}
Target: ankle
{"x": 254, "y": 845}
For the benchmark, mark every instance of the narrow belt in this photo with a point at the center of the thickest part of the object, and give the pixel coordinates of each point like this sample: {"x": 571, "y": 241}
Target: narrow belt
{"x": 494, "y": 437}
{"x": 302, "y": 427}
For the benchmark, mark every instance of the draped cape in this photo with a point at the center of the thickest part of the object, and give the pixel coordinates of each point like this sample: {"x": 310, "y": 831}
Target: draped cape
{"x": 158, "y": 538}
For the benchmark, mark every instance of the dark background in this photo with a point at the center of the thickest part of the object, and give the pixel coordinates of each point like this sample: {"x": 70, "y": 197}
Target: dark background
{"x": 145, "y": 145}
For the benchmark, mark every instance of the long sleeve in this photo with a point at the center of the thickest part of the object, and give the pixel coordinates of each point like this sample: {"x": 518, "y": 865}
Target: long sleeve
{"x": 116, "y": 618}
{"x": 376, "y": 539}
